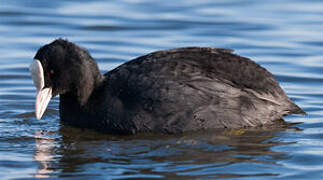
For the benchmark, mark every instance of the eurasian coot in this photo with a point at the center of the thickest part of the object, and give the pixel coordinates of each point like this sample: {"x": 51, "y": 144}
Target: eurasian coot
{"x": 168, "y": 91}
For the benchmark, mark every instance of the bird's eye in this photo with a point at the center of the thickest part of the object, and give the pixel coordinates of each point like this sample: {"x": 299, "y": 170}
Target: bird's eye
{"x": 51, "y": 72}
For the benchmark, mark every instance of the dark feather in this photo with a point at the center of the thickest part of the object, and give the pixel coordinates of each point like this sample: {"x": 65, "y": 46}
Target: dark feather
{"x": 168, "y": 91}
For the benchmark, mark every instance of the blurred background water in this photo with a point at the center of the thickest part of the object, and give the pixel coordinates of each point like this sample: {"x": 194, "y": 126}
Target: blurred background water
{"x": 286, "y": 37}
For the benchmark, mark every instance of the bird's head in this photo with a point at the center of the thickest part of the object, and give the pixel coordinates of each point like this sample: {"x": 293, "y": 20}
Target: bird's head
{"x": 62, "y": 67}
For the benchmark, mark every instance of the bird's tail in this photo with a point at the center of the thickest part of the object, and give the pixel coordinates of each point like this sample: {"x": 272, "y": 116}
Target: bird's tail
{"x": 294, "y": 109}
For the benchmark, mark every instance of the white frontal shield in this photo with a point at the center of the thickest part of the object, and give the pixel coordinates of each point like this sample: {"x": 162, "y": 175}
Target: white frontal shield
{"x": 43, "y": 95}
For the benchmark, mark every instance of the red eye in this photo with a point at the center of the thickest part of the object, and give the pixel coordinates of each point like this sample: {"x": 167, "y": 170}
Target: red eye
{"x": 50, "y": 73}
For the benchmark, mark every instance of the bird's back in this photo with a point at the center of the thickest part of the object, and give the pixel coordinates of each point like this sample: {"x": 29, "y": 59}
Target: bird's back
{"x": 195, "y": 88}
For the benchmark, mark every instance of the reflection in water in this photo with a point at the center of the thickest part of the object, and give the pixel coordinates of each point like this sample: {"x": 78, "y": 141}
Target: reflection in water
{"x": 43, "y": 154}
{"x": 212, "y": 154}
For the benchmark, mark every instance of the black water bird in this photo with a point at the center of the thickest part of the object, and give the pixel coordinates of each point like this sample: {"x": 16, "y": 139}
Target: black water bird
{"x": 168, "y": 91}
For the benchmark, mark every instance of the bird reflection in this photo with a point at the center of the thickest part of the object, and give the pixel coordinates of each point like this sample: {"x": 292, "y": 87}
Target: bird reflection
{"x": 43, "y": 154}
{"x": 78, "y": 149}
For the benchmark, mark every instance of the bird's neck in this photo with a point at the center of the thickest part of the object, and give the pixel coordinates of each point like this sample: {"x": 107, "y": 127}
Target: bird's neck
{"x": 73, "y": 112}
{"x": 82, "y": 94}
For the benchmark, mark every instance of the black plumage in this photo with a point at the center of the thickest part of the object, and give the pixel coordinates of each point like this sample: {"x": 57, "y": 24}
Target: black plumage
{"x": 169, "y": 91}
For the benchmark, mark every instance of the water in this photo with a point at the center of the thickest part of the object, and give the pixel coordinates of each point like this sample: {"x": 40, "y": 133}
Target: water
{"x": 286, "y": 37}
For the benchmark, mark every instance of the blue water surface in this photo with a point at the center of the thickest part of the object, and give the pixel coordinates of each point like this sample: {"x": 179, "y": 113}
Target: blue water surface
{"x": 286, "y": 37}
